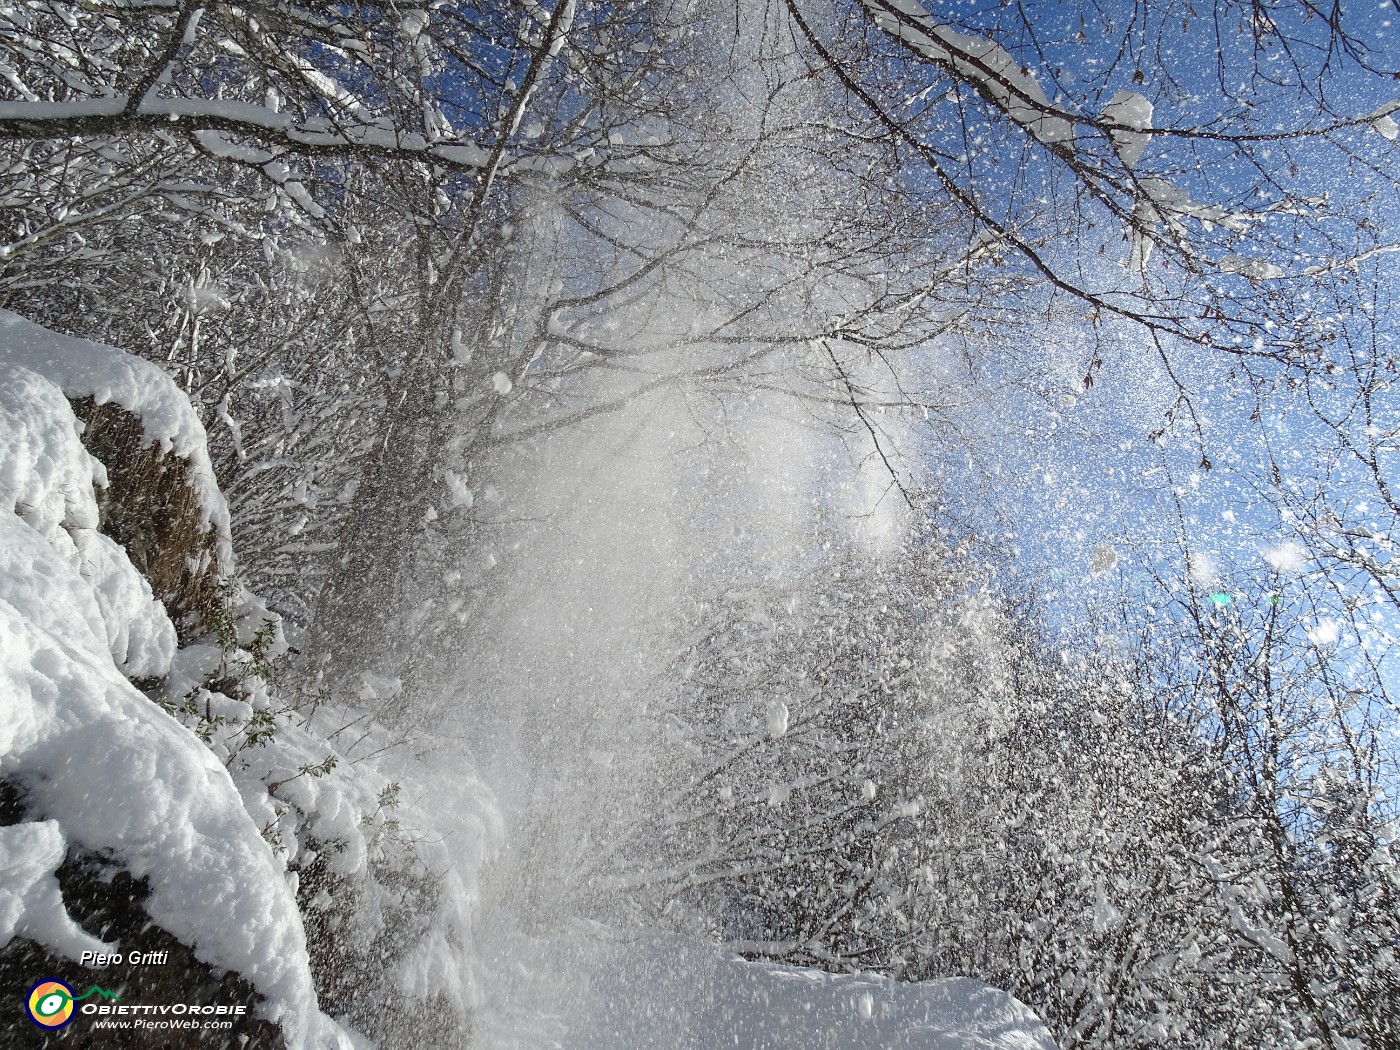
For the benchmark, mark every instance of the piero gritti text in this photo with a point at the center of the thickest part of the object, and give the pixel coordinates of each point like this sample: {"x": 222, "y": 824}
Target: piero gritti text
{"x": 130, "y": 958}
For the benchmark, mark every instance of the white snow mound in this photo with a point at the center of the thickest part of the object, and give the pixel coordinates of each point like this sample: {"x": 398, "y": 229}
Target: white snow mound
{"x": 82, "y": 368}
{"x": 98, "y": 764}
{"x": 592, "y": 988}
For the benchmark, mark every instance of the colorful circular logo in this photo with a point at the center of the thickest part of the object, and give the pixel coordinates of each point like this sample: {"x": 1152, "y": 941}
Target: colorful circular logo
{"x": 50, "y": 1004}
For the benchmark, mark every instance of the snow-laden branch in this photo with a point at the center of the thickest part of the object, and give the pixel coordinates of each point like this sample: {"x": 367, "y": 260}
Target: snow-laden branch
{"x": 1158, "y": 205}
{"x": 267, "y": 128}
{"x": 979, "y": 61}
{"x": 998, "y": 77}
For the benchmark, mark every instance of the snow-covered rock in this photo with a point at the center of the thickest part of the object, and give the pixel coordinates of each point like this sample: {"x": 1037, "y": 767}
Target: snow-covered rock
{"x": 81, "y": 368}
{"x": 261, "y": 846}
{"x": 31, "y": 904}
{"x": 99, "y": 767}
{"x": 139, "y": 633}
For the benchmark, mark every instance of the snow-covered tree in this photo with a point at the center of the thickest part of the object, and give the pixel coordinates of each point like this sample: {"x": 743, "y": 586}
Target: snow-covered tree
{"x": 397, "y": 255}
{"x": 1163, "y": 832}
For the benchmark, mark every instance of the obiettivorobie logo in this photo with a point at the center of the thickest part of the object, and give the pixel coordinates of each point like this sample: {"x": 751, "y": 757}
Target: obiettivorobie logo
{"x": 50, "y": 1002}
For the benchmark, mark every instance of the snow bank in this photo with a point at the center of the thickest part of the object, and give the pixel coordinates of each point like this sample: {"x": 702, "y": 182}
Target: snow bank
{"x": 98, "y": 764}
{"x": 389, "y": 901}
{"x": 597, "y": 989}
{"x": 139, "y": 633}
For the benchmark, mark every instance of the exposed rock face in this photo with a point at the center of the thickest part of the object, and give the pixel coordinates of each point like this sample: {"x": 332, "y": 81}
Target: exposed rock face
{"x": 151, "y": 508}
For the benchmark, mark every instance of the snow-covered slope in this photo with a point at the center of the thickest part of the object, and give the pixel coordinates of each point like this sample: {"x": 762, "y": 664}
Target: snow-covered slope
{"x": 99, "y": 766}
{"x": 597, "y": 989}
{"x": 268, "y": 846}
